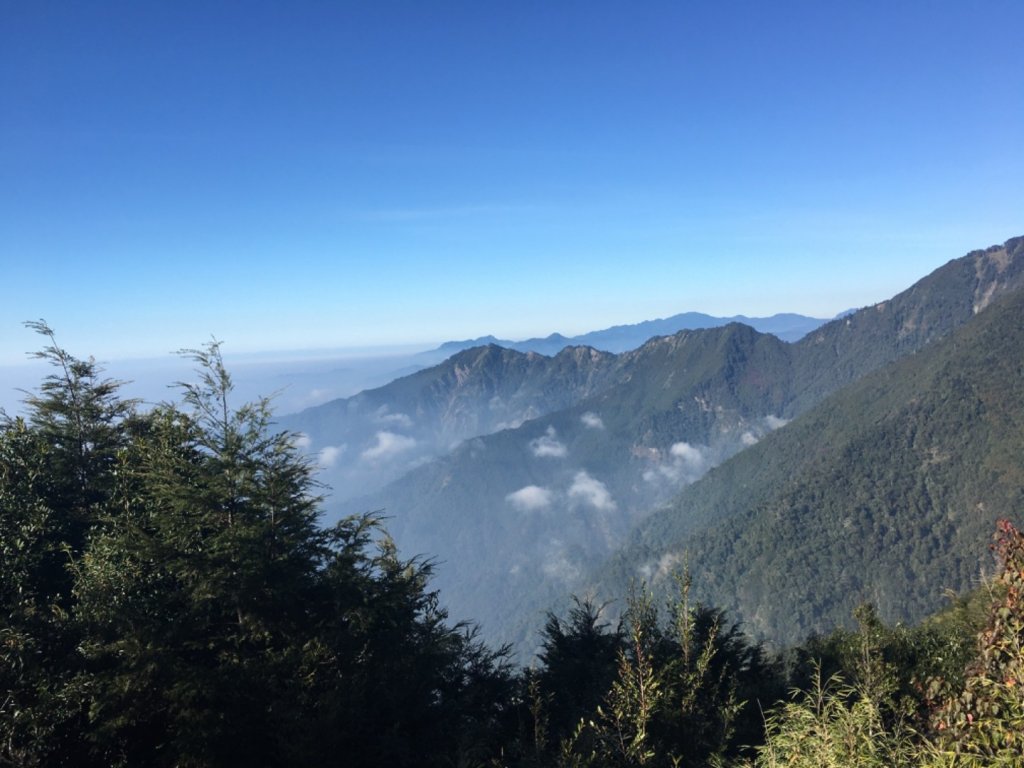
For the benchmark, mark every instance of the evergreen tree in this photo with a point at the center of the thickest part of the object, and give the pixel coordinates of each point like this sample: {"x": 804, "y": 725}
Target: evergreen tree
{"x": 172, "y": 599}
{"x": 579, "y": 659}
{"x": 676, "y": 696}
{"x": 56, "y": 479}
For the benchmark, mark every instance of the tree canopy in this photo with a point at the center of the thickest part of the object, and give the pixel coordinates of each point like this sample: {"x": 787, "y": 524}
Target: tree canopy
{"x": 170, "y": 598}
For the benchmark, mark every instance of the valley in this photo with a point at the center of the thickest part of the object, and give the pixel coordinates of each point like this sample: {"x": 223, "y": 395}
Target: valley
{"x": 528, "y": 478}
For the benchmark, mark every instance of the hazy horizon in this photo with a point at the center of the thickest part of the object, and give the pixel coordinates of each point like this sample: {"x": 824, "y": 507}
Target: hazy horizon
{"x": 295, "y": 379}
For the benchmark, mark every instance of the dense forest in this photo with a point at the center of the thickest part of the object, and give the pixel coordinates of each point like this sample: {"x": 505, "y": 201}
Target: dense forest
{"x": 169, "y": 597}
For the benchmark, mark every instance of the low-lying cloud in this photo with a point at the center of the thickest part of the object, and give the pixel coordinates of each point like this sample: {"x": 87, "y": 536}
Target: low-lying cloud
{"x": 530, "y": 498}
{"x": 684, "y": 463}
{"x": 768, "y": 424}
{"x": 667, "y": 564}
{"x": 388, "y": 444}
{"x": 329, "y": 455}
{"x": 689, "y": 456}
{"x": 384, "y": 416}
{"x": 591, "y": 491}
{"x": 591, "y": 420}
{"x": 548, "y": 445}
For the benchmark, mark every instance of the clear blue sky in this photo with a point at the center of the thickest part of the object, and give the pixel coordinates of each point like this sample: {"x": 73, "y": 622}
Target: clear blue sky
{"x": 290, "y": 175}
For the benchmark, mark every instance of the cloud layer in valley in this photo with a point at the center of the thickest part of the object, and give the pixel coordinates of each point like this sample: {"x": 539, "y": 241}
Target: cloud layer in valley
{"x": 548, "y": 445}
{"x": 591, "y": 491}
{"x": 530, "y": 498}
{"x": 384, "y": 416}
{"x": 684, "y": 463}
{"x": 329, "y": 455}
{"x": 388, "y": 444}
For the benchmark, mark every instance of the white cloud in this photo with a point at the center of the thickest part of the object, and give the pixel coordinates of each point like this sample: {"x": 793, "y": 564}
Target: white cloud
{"x": 688, "y": 455}
{"x": 591, "y": 491}
{"x": 774, "y": 422}
{"x": 399, "y": 419}
{"x": 669, "y": 563}
{"x": 530, "y": 498}
{"x": 591, "y": 420}
{"x": 388, "y": 444}
{"x": 748, "y": 438}
{"x": 666, "y": 565}
{"x": 330, "y": 454}
{"x": 685, "y": 463}
{"x": 548, "y": 445}
{"x": 302, "y": 441}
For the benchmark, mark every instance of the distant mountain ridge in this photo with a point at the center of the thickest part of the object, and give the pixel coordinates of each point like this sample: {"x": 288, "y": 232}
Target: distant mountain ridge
{"x": 371, "y": 438}
{"x": 514, "y": 516}
{"x": 623, "y": 338}
{"x": 517, "y": 518}
{"x": 477, "y": 387}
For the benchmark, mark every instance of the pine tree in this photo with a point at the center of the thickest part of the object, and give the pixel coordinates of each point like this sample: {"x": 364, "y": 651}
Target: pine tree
{"x": 173, "y": 599}
{"x": 56, "y": 480}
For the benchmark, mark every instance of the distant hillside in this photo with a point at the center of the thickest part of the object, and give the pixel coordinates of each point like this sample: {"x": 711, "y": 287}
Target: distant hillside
{"x": 369, "y": 439}
{"x": 845, "y": 349}
{"x": 477, "y": 387}
{"x": 623, "y": 338}
{"x": 518, "y": 518}
{"x": 883, "y": 491}
{"x": 515, "y": 518}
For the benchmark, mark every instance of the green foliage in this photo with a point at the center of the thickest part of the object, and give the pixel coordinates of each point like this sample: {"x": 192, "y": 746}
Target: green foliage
{"x": 983, "y": 724}
{"x": 172, "y": 599}
{"x": 893, "y": 665}
{"x": 885, "y": 493}
{"x": 834, "y": 725}
{"x": 977, "y": 715}
{"x": 57, "y": 475}
{"x": 676, "y": 698}
{"x": 579, "y": 660}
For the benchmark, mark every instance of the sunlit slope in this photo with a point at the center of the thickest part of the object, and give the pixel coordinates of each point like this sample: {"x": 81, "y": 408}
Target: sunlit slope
{"x": 517, "y": 519}
{"x": 843, "y": 350}
{"x": 886, "y": 492}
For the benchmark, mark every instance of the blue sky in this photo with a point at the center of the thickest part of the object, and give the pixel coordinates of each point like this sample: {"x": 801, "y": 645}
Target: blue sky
{"x": 302, "y": 175}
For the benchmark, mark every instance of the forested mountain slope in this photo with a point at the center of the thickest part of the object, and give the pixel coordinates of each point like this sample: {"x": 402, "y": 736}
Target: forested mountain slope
{"x": 845, "y": 349}
{"x": 368, "y": 439}
{"x": 515, "y": 517}
{"x": 518, "y": 517}
{"x": 887, "y": 492}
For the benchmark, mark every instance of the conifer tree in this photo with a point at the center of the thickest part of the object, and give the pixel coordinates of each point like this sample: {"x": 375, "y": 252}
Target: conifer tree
{"x": 56, "y": 480}
{"x": 173, "y": 599}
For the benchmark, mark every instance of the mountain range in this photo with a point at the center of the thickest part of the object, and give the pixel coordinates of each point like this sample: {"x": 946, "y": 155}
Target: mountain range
{"x": 478, "y": 387}
{"x": 622, "y": 338}
{"x": 542, "y": 468}
{"x": 885, "y": 492}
